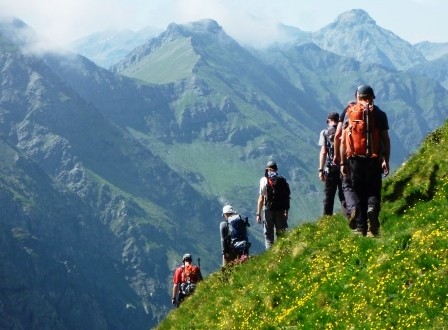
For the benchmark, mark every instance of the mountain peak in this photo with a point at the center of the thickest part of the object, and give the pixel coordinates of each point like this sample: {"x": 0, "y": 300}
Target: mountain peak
{"x": 354, "y": 17}
{"x": 204, "y": 26}
{"x": 17, "y": 32}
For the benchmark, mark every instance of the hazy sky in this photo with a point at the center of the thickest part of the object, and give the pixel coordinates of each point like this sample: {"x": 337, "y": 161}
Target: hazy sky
{"x": 63, "y": 21}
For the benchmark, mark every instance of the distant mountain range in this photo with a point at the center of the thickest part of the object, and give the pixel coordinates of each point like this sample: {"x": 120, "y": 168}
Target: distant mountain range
{"x": 432, "y": 50}
{"x": 109, "y": 176}
{"x": 108, "y": 47}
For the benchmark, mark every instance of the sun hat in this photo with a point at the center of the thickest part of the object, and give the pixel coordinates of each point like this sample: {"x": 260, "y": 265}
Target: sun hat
{"x": 228, "y": 209}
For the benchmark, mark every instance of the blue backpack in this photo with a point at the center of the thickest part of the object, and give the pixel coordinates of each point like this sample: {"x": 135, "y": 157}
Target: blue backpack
{"x": 238, "y": 238}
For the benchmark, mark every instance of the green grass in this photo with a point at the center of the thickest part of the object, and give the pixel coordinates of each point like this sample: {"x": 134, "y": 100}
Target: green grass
{"x": 320, "y": 276}
{"x": 157, "y": 68}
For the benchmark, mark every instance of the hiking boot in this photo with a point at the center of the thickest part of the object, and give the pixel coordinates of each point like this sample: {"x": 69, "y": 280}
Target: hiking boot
{"x": 374, "y": 224}
{"x": 370, "y": 212}
{"x": 352, "y": 218}
{"x": 372, "y": 235}
{"x": 357, "y": 232}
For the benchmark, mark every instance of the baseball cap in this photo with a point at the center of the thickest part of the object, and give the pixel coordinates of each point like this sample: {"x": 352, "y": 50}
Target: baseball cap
{"x": 365, "y": 90}
{"x": 271, "y": 164}
{"x": 333, "y": 116}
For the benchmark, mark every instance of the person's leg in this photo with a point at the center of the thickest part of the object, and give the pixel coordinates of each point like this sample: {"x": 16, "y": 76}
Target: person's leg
{"x": 341, "y": 196}
{"x": 357, "y": 178}
{"x": 331, "y": 184}
{"x": 268, "y": 229}
{"x": 374, "y": 197}
{"x": 351, "y": 201}
{"x": 281, "y": 223}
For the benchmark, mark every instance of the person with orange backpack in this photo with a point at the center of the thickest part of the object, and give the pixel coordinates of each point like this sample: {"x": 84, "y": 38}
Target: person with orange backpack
{"x": 351, "y": 199}
{"x": 185, "y": 279}
{"x": 365, "y": 153}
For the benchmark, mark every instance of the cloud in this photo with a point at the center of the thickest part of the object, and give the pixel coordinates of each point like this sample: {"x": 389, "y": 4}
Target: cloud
{"x": 247, "y": 21}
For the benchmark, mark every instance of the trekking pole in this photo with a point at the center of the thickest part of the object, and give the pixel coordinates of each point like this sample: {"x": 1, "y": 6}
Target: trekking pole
{"x": 368, "y": 133}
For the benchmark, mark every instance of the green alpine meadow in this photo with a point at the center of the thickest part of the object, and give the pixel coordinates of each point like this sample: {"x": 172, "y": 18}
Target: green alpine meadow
{"x": 321, "y": 276}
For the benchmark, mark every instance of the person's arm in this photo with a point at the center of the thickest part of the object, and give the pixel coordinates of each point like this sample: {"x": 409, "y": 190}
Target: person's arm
{"x": 175, "y": 292}
{"x": 337, "y": 143}
{"x": 223, "y": 229}
{"x": 385, "y": 142}
{"x": 322, "y": 159}
{"x": 175, "y": 286}
{"x": 259, "y": 207}
{"x": 342, "y": 154}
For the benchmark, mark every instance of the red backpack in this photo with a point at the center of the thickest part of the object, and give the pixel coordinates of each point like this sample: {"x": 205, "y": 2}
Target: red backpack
{"x": 361, "y": 133}
{"x": 191, "y": 274}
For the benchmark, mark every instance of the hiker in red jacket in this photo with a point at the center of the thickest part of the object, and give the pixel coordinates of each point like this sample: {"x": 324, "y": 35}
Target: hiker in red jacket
{"x": 185, "y": 279}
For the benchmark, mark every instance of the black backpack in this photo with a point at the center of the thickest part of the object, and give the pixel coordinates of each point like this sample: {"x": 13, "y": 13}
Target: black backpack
{"x": 277, "y": 194}
{"x": 329, "y": 143}
{"x": 238, "y": 238}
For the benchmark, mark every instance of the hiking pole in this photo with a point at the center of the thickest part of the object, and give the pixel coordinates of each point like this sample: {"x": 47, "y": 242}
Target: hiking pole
{"x": 368, "y": 132}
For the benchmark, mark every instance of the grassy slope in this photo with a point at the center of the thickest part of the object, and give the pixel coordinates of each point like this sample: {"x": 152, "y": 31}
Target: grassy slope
{"x": 322, "y": 277}
{"x": 158, "y": 66}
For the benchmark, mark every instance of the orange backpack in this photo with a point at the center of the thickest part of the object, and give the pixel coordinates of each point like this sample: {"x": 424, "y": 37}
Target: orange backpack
{"x": 191, "y": 274}
{"x": 361, "y": 133}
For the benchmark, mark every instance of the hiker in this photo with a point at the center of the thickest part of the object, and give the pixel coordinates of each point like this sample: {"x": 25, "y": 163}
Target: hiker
{"x": 350, "y": 197}
{"x": 234, "y": 240}
{"x": 329, "y": 172}
{"x": 185, "y": 279}
{"x": 274, "y": 199}
{"x": 365, "y": 152}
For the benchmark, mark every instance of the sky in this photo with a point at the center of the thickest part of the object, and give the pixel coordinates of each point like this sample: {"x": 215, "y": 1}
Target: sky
{"x": 247, "y": 21}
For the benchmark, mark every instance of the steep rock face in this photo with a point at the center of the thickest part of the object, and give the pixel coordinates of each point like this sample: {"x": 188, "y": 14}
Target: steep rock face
{"x": 60, "y": 267}
{"x": 102, "y": 238}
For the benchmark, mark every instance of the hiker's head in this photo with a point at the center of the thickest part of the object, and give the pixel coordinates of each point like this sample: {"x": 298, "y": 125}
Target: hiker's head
{"x": 333, "y": 116}
{"x": 187, "y": 257}
{"x": 271, "y": 166}
{"x": 365, "y": 92}
{"x": 228, "y": 210}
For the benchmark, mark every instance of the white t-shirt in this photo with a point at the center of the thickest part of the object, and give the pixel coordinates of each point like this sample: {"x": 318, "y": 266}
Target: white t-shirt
{"x": 321, "y": 138}
{"x": 263, "y": 184}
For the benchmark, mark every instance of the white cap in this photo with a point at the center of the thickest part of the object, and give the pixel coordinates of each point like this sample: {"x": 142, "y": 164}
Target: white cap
{"x": 228, "y": 209}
